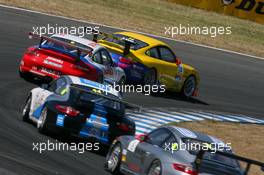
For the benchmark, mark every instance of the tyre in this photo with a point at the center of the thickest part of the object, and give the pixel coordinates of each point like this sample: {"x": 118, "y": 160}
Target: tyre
{"x": 22, "y": 74}
{"x": 26, "y": 110}
{"x": 42, "y": 121}
{"x": 150, "y": 77}
{"x": 189, "y": 86}
{"x": 25, "y": 75}
{"x": 113, "y": 159}
{"x": 155, "y": 168}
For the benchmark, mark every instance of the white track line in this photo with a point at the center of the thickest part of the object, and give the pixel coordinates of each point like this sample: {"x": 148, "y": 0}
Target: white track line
{"x": 153, "y": 118}
{"x": 108, "y": 26}
{"x": 204, "y": 116}
{"x": 219, "y": 116}
{"x": 170, "y": 115}
{"x": 147, "y": 121}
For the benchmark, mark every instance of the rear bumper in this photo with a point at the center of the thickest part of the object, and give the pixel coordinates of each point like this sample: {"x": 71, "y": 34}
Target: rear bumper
{"x": 37, "y": 68}
{"x": 33, "y": 70}
{"x": 76, "y": 126}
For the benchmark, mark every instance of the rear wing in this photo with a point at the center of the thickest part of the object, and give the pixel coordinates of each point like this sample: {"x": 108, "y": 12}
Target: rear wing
{"x": 59, "y": 42}
{"x": 248, "y": 162}
{"x": 127, "y": 104}
{"x": 128, "y": 42}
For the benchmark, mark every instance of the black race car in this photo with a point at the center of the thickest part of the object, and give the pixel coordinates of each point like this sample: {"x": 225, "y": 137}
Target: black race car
{"x": 79, "y": 107}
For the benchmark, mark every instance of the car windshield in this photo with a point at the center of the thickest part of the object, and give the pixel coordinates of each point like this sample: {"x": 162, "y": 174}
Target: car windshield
{"x": 83, "y": 95}
{"x": 71, "y": 51}
{"x": 138, "y": 44}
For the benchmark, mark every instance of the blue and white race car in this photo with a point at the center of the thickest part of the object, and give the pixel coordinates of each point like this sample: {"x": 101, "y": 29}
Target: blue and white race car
{"x": 79, "y": 107}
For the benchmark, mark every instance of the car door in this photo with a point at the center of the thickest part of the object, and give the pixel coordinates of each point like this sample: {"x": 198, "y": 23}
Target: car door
{"x": 165, "y": 63}
{"x": 103, "y": 60}
{"x": 171, "y": 70}
{"x": 41, "y": 95}
{"x": 107, "y": 62}
{"x": 142, "y": 156}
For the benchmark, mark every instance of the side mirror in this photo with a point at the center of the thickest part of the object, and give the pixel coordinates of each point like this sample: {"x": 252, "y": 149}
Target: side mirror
{"x": 44, "y": 86}
{"x": 178, "y": 61}
{"x": 142, "y": 137}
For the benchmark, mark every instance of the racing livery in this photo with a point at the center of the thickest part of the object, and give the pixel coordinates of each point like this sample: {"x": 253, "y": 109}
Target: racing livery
{"x": 69, "y": 55}
{"x": 79, "y": 107}
{"x": 149, "y": 61}
{"x": 169, "y": 150}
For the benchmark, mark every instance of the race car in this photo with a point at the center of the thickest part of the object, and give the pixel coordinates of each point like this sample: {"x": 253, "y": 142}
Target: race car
{"x": 169, "y": 150}
{"x": 149, "y": 61}
{"x": 79, "y": 107}
{"x": 63, "y": 54}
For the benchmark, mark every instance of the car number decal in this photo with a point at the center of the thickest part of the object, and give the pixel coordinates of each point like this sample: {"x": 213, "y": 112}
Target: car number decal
{"x": 133, "y": 145}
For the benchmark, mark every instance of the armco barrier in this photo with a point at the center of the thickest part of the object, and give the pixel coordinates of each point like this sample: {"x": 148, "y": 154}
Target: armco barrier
{"x": 246, "y": 9}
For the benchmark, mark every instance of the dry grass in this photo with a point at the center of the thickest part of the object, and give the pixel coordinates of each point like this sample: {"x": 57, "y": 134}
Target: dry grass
{"x": 152, "y": 16}
{"x": 246, "y": 139}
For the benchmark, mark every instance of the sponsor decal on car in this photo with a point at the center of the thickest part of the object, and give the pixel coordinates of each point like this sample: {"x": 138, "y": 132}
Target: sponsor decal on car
{"x": 52, "y": 63}
{"x": 133, "y": 145}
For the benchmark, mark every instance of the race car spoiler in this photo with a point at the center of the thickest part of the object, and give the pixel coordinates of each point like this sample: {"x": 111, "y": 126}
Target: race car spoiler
{"x": 249, "y": 162}
{"x": 47, "y": 38}
{"x": 128, "y": 42}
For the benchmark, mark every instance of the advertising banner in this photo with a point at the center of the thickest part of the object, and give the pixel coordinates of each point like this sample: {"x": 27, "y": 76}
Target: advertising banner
{"x": 246, "y": 9}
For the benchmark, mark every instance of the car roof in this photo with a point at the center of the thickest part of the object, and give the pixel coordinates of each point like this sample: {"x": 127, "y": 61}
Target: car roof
{"x": 144, "y": 38}
{"x": 186, "y": 133}
{"x": 88, "y": 83}
{"x": 81, "y": 40}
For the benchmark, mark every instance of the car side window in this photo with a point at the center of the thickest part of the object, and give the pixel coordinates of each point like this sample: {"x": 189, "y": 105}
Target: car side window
{"x": 106, "y": 58}
{"x": 158, "y": 137}
{"x": 97, "y": 58}
{"x": 168, "y": 144}
{"x": 167, "y": 55}
{"x": 153, "y": 52}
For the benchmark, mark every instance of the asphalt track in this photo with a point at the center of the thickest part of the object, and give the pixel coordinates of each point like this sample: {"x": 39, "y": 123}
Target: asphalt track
{"x": 230, "y": 83}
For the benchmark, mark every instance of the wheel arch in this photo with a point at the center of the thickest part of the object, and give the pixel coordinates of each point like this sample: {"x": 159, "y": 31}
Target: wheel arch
{"x": 191, "y": 75}
{"x": 152, "y": 162}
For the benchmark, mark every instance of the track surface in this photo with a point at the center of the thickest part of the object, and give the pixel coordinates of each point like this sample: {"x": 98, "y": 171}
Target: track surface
{"x": 230, "y": 83}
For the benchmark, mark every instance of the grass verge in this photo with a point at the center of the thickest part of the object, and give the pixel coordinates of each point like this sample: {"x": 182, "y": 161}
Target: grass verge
{"x": 152, "y": 16}
{"x": 246, "y": 139}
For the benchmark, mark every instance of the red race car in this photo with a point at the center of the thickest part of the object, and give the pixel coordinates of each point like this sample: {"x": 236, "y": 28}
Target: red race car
{"x": 61, "y": 55}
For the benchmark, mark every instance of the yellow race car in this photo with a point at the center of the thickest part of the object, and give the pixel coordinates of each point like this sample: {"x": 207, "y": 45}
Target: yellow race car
{"x": 149, "y": 61}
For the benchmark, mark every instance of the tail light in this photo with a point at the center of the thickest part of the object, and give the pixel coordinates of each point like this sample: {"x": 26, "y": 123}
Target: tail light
{"x": 32, "y": 51}
{"x": 184, "y": 168}
{"x": 141, "y": 137}
{"x": 68, "y": 110}
{"x": 126, "y": 60}
{"x": 124, "y": 127}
